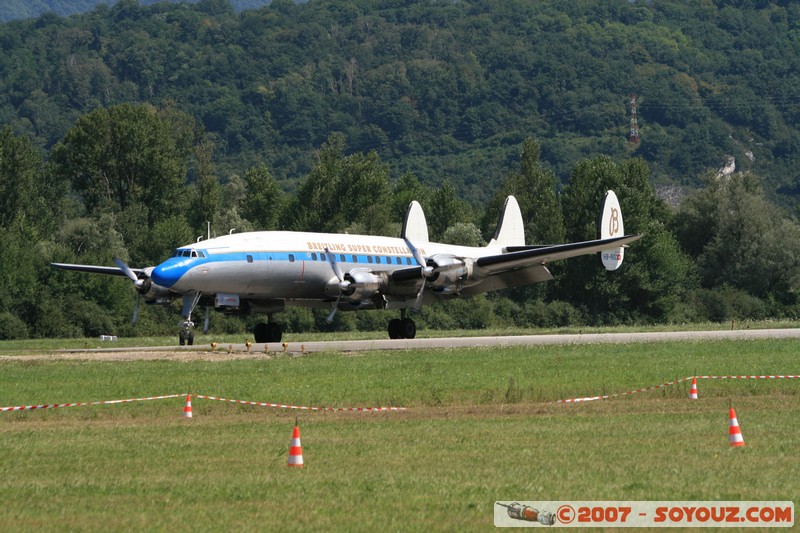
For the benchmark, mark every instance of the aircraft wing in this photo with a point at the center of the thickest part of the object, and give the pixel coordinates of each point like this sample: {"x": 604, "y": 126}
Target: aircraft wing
{"x": 93, "y": 269}
{"x": 522, "y": 265}
{"x": 541, "y": 255}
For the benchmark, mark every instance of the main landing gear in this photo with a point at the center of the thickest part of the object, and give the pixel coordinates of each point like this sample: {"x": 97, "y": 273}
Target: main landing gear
{"x": 268, "y": 332}
{"x": 402, "y": 328}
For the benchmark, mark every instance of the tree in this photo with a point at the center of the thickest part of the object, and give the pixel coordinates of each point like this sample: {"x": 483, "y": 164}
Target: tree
{"x": 446, "y": 210}
{"x": 343, "y": 193}
{"x": 655, "y": 274}
{"x": 263, "y": 202}
{"x": 123, "y": 156}
{"x": 535, "y": 190}
{"x": 407, "y": 189}
{"x": 739, "y": 239}
{"x": 24, "y": 192}
{"x": 207, "y": 190}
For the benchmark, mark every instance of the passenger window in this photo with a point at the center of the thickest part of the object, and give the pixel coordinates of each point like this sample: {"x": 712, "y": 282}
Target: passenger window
{"x": 355, "y": 258}
{"x": 249, "y": 258}
{"x": 291, "y": 258}
{"x": 322, "y": 257}
{"x": 369, "y": 259}
{"x": 342, "y": 258}
{"x": 378, "y": 259}
{"x": 408, "y": 260}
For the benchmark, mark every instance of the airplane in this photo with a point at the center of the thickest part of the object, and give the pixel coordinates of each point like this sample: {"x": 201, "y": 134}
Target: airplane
{"x": 266, "y": 271}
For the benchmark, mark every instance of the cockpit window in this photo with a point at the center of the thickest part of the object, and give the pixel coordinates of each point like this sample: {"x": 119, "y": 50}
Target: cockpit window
{"x": 188, "y": 253}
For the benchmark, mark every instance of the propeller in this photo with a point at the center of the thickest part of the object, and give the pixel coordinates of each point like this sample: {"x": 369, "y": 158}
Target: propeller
{"x": 138, "y": 283}
{"x": 130, "y": 274}
{"x": 427, "y": 271}
{"x": 343, "y": 283}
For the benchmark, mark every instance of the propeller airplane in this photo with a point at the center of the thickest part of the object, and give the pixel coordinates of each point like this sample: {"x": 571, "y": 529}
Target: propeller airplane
{"x": 266, "y": 271}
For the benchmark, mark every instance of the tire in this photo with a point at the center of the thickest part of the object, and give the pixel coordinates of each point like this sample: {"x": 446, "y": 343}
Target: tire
{"x": 261, "y": 332}
{"x": 408, "y": 328}
{"x": 275, "y": 332}
{"x": 395, "y": 328}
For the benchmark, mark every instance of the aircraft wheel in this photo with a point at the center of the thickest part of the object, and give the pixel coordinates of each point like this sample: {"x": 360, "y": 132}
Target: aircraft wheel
{"x": 395, "y": 328}
{"x": 190, "y": 338}
{"x": 275, "y": 332}
{"x": 408, "y": 328}
{"x": 261, "y": 332}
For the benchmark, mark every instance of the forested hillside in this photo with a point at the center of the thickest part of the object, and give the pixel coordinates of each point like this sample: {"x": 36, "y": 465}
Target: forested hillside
{"x": 125, "y": 131}
{"x": 447, "y": 90}
{"x": 26, "y": 9}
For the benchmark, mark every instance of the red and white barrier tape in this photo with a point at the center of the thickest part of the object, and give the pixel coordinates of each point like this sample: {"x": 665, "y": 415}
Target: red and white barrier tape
{"x": 301, "y": 407}
{"x": 748, "y": 377}
{"x": 367, "y": 409}
{"x": 262, "y": 404}
{"x": 664, "y": 385}
{"x": 107, "y": 402}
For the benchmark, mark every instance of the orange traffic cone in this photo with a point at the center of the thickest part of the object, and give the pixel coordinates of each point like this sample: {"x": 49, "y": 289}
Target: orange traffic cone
{"x": 693, "y": 390}
{"x": 296, "y": 449}
{"x": 734, "y": 432}
{"x": 187, "y": 410}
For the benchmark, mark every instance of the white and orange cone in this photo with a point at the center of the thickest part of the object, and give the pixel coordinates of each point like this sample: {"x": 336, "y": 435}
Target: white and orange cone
{"x": 693, "y": 390}
{"x": 296, "y": 449}
{"x": 187, "y": 410}
{"x": 734, "y": 431}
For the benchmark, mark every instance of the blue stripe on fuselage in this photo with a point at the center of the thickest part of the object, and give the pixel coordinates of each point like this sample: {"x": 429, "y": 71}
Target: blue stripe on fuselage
{"x": 168, "y": 273}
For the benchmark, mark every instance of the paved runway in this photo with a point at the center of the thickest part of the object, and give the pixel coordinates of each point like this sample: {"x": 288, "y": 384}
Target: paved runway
{"x": 471, "y": 342}
{"x": 538, "y": 340}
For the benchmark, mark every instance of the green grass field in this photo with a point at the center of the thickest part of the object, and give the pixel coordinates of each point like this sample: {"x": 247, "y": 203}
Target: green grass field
{"x": 481, "y": 426}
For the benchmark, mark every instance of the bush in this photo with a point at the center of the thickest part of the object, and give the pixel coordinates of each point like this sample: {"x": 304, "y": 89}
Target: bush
{"x": 556, "y": 314}
{"x": 12, "y": 327}
{"x": 727, "y": 303}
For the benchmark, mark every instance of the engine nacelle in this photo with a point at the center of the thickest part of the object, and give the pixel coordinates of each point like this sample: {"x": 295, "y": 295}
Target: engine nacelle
{"x": 448, "y": 270}
{"x": 363, "y": 285}
{"x": 152, "y": 292}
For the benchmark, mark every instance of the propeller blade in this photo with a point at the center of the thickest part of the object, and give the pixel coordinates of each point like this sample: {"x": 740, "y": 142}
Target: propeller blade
{"x": 334, "y": 265}
{"x": 126, "y": 269}
{"x": 136, "y": 309}
{"x": 329, "y": 318}
{"x": 426, "y": 271}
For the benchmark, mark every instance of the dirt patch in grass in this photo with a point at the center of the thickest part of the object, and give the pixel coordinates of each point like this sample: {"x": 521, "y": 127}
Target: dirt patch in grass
{"x": 136, "y": 355}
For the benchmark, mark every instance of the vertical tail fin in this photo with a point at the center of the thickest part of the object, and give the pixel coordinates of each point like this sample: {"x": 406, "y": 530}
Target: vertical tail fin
{"x": 510, "y": 229}
{"x": 609, "y": 224}
{"x": 415, "y": 227}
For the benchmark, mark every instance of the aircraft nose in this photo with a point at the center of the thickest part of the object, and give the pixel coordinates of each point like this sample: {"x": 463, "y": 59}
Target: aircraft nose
{"x": 168, "y": 273}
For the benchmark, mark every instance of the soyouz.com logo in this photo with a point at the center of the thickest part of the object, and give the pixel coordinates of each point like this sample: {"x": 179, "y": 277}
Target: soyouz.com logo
{"x": 516, "y": 513}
